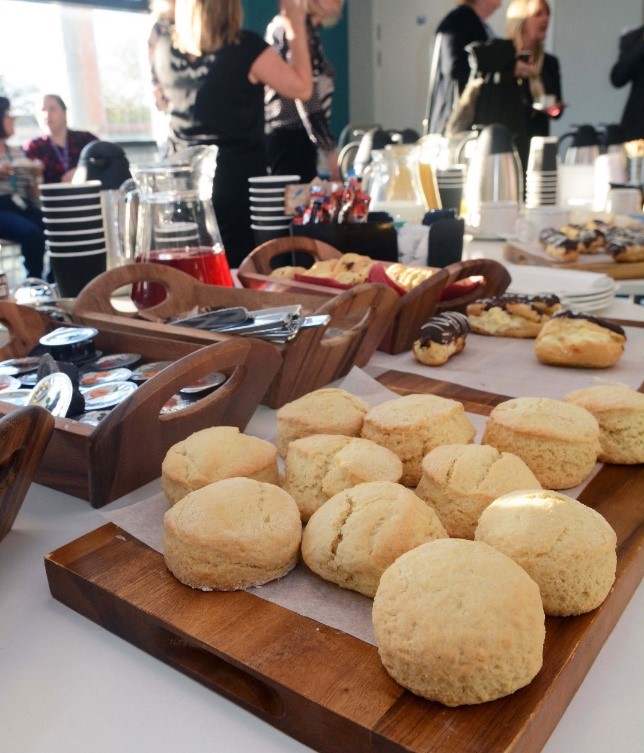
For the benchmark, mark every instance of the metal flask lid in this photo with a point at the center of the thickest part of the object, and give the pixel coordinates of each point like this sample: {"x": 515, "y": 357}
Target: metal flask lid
{"x": 495, "y": 139}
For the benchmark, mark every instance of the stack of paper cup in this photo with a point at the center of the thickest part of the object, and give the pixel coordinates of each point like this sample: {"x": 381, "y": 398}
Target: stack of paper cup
{"x": 450, "y": 182}
{"x": 542, "y": 172}
{"x": 267, "y": 215}
{"x": 75, "y": 233}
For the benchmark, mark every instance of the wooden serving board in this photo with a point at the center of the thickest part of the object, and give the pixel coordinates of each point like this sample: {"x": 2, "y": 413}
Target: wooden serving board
{"x": 317, "y": 684}
{"x": 533, "y": 255}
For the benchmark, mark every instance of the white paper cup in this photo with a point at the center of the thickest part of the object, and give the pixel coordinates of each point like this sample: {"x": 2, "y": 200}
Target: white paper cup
{"x": 624, "y": 201}
{"x": 495, "y": 218}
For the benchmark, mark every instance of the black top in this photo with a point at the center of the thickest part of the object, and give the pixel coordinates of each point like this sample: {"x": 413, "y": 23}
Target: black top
{"x": 459, "y": 27}
{"x": 630, "y": 68}
{"x": 538, "y": 123}
{"x": 211, "y": 100}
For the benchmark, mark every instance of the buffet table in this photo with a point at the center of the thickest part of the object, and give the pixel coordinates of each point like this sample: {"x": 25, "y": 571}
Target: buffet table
{"x": 70, "y": 685}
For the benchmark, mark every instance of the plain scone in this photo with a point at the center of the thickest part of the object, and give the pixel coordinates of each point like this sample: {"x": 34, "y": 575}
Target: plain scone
{"x": 460, "y": 480}
{"x": 459, "y": 623}
{"x": 214, "y": 454}
{"x": 354, "y": 537}
{"x": 233, "y": 534}
{"x": 411, "y": 426}
{"x": 326, "y": 411}
{"x": 568, "y": 549}
{"x": 558, "y": 441}
{"x": 619, "y": 410}
{"x": 319, "y": 466}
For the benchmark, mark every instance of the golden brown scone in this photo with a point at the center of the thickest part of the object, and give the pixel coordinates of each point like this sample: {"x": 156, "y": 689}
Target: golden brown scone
{"x": 460, "y": 480}
{"x": 619, "y": 410}
{"x": 412, "y": 425}
{"x": 440, "y": 338}
{"x": 459, "y": 623}
{"x": 288, "y": 273}
{"x": 568, "y": 549}
{"x": 213, "y": 454}
{"x": 558, "y": 441}
{"x": 356, "y": 264}
{"x": 323, "y": 268}
{"x": 511, "y": 315}
{"x": 232, "y": 534}
{"x": 354, "y": 537}
{"x": 319, "y": 466}
{"x": 325, "y": 411}
{"x": 580, "y": 340}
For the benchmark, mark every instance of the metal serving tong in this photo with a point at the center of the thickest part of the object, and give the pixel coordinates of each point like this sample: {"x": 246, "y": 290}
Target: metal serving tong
{"x": 280, "y": 324}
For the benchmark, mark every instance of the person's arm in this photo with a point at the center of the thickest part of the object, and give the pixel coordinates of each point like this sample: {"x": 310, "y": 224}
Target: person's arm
{"x": 294, "y": 79}
{"x": 630, "y": 57}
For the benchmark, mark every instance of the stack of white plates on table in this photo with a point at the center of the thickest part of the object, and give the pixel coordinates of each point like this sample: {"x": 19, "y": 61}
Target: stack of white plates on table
{"x": 586, "y": 292}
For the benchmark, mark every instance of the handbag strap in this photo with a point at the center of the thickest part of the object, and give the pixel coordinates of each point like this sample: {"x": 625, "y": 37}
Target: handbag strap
{"x": 433, "y": 69}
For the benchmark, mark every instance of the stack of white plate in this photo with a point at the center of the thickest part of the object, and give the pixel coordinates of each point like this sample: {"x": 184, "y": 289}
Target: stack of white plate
{"x": 587, "y": 292}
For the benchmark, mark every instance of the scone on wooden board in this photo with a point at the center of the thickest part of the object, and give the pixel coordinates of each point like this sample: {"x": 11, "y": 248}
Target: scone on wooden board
{"x": 567, "y": 548}
{"x": 354, "y": 537}
{"x": 458, "y": 622}
{"x": 580, "y": 340}
{"x": 460, "y": 480}
{"x": 558, "y": 441}
{"x": 511, "y": 314}
{"x": 233, "y": 534}
{"x": 325, "y": 411}
{"x": 441, "y": 337}
{"x": 213, "y": 454}
{"x": 319, "y": 466}
{"x": 619, "y": 410}
{"x": 412, "y": 425}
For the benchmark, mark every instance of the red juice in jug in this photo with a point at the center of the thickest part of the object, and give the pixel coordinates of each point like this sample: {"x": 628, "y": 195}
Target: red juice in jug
{"x": 204, "y": 264}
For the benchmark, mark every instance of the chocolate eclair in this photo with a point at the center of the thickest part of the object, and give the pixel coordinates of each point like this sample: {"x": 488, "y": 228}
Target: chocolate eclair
{"x": 581, "y": 340}
{"x": 440, "y": 338}
{"x": 560, "y": 245}
{"x": 511, "y": 315}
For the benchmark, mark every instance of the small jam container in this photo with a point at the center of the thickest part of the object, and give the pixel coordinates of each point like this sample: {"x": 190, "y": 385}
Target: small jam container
{"x": 92, "y": 378}
{"x": 107, "y": 395}
{"x": 71, "y": 343}
{"x": 116, "y": 361}
{"x": 204, "y": 384}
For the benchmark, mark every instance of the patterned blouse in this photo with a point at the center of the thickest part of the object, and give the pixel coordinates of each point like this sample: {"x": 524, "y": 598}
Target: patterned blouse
{"x": 314, "y": 115}
{"x": 58, "y": 160}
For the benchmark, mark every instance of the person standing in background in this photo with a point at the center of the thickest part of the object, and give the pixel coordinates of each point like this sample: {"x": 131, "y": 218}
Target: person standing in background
{"x": 629, "y": 68}
{"x": 450, "y": 67}
{"x": 163, "y": 26}
{"x": 20, "y": 219}
{"x": 213, "y": 74}
{"x": 296, "y": 130}
{"x": 526, "y": 24}
{"x": 60, "y": 149}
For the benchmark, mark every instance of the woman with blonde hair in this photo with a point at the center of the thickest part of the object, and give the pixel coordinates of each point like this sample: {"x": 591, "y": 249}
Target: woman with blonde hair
{"x": 296, "y": 131}
{"x": 213, "y": 73}
{"x": 526, "y": 24}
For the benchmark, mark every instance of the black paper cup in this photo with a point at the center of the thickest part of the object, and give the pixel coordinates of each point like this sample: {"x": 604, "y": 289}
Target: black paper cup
{"x": 70, "y": 189}
{"x": 74, "y": 247}
{"x": 451, "y": 197}
{"x": 74, "y": 270}
{"x": 63, "y": 225}
{"x": 69, "y": 202}
{"x": 73, "y": 213}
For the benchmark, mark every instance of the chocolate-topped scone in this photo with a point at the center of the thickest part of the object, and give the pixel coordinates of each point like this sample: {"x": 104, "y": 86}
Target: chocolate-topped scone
{"x": 559, "y": 245}
{"x": 580, "y": 340}
{"x": 511, "y": 315}
{"x": 441, "y": 337}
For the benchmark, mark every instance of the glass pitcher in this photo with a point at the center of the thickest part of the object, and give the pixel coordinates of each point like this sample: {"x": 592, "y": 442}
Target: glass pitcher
{"x": 393, "y": 183}
{"x": 179, "y": 229}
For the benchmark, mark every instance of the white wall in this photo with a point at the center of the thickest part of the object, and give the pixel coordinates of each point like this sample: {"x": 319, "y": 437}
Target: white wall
{"x": 584, "y": 36}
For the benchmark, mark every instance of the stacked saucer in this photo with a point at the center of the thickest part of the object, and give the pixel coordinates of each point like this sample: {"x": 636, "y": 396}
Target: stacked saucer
{"x": 450, "y": 182}
{"x": 542, "y": 174}
{"x": 75, "y": 233}
{"x": 267, "y": 215}
{"x": 578, "y": 290}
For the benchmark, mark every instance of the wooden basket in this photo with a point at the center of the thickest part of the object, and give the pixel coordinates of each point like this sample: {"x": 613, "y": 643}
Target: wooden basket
{"x": 104, "y": 462}
{"x": 416, "y": 307}
{"x": 317, "y": 356}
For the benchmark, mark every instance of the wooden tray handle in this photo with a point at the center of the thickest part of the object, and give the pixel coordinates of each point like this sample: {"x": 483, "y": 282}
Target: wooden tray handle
{"x": 137, "y": 436}
{"x": 97, "y": 295}
{"x": 259, "y": 259}
{"x": 496, "y": 281}
{"x": 26, "y": 325}
{"x": 24, "y": 436}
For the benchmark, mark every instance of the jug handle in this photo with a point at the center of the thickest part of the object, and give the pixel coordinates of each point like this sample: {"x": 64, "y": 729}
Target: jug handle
{"x": 459, "y": 149}
{"x": 563, "y": 137}
{"x": 128, "y": 229}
